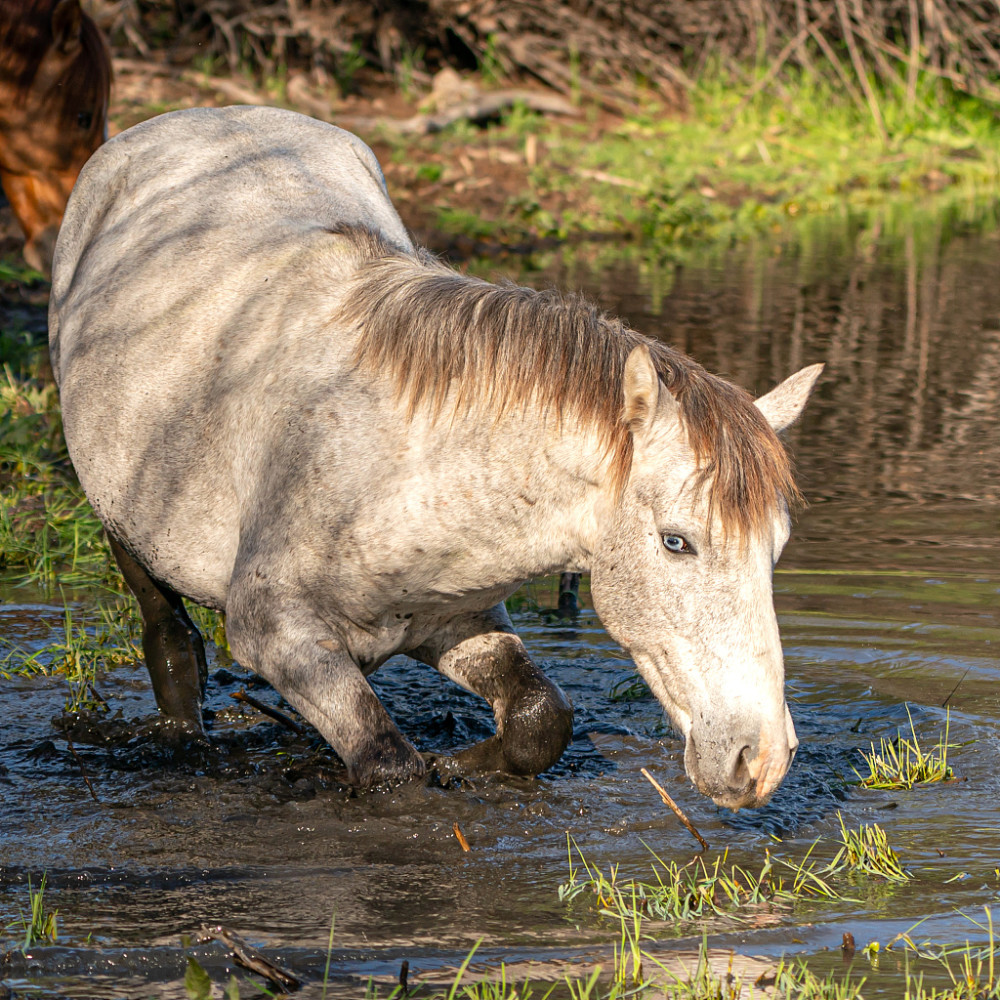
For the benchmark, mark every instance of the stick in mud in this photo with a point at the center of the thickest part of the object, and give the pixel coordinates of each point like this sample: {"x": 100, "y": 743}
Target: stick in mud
{"x": 249, "y": 957}
{"x": 678, "y": 812}
{"x": 460, "y": 837}
{"x": 268, "y": 710}
{"x": 83, "y": 770}
{"x": 404, "y": 972}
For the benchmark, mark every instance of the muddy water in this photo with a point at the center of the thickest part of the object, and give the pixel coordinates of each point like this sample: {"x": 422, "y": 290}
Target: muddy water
{"x": 888, "y": 597}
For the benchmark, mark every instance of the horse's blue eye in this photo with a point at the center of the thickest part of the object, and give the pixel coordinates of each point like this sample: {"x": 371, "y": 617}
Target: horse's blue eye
{"x": 675, "y": 543}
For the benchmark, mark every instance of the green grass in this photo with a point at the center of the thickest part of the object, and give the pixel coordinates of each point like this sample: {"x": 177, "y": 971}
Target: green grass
{"x": 39, "y": 925}
{"x": 48, "y": 532}
{"x": 632, "y": 688}
{"x": 87, "y": 643}
{"x": 704, "y": 887}
{"x": 699, "y": 888}
{"x": 635, "y": 972}
{"x": 866, "y": 851}
{"x": 903, "y": 763}
{"x": 726, "y": 170}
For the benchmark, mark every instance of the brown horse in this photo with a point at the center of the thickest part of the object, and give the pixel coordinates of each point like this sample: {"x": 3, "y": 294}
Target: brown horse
{"x": 55, "y": 78}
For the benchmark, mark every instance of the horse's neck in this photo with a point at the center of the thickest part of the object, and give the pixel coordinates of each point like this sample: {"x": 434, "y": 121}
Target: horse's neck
{"x": 522, "y": 497}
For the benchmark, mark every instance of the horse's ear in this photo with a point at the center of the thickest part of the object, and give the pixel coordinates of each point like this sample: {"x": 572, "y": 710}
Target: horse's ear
{"x": 641, "y": 388}
{"x": 783, "y": 405}
{"x": 67, "y": 27}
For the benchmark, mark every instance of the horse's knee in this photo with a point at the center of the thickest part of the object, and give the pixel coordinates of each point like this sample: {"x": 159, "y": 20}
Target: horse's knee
{"x": 536, "y": 728}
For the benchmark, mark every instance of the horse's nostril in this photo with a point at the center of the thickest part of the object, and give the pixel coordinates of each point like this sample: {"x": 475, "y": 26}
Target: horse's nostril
{"x": 741, "y": 771}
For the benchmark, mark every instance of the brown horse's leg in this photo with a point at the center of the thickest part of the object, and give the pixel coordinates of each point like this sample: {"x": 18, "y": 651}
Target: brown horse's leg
{"x": 534, "y": 718}
{"x": 175, "y": 654}
{"x": 38, "y": 205}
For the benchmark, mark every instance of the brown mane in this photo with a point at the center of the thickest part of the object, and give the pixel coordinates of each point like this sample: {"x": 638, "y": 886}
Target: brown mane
{"x": 437, "y": 331}
{"x": 26, "y": 37}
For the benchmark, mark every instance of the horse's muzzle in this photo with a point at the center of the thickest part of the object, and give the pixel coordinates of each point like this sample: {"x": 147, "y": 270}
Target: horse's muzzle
{"x": 741, "y": 773}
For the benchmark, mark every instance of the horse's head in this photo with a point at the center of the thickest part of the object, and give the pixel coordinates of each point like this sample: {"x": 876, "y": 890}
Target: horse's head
{"x": 55, "y": 75}
{"x": 682, "y": 579}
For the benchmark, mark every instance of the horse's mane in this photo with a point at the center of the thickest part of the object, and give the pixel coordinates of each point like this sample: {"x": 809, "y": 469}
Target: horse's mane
{"x": 443, "y": 336}
{"x": 25, "y": 38}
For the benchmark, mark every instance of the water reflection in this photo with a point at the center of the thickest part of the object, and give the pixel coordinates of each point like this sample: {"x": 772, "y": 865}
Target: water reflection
{"x": 906, "y": 316}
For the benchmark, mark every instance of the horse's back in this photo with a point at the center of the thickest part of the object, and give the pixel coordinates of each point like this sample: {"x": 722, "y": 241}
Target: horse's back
{"x": 222, "y": 180}
{"x": 194, "y": 278}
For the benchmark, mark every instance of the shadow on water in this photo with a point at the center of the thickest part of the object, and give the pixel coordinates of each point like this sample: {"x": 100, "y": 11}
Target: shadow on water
{"x": 887, "y": 596}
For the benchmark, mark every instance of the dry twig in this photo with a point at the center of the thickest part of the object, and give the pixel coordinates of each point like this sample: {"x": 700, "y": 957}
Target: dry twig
{"x": 269, "y": 710}
{"x": 249, "y": 957}
{"x": 678, "y": 812}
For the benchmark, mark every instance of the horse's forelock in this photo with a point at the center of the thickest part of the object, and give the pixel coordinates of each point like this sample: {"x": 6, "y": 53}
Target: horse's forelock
{"x": 742, "y": 463}
{"x": 448, "y": 339}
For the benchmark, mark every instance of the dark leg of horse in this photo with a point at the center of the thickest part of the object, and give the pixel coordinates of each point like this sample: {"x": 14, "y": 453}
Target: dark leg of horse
{"x": 175, "y": 654}
{"x": 569, "y": 594}
{"x": 534, "y": 718}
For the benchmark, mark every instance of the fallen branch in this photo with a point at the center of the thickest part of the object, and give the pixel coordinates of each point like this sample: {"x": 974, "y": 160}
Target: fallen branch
{"x": 230, "y": 89}
{"x": 478, "y": 109}
{"x": 606, "y": 178}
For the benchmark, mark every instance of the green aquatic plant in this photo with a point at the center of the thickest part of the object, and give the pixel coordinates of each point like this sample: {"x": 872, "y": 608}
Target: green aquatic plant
{"x": 84, "y": 645}
{"x": 903, "y": 763}
{"x": 630, "y": 689}
{"x": 39, "y": 926}
{"x": 695, "y": 889}
{"x": 867, "y": 851}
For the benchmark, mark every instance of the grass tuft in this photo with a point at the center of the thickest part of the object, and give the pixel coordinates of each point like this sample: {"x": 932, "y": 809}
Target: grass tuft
{"x": 39, "y": 926}
{"x": 695, "y": 889}
{"x": 867, "y": 851}
{"x": 903, "y": 763}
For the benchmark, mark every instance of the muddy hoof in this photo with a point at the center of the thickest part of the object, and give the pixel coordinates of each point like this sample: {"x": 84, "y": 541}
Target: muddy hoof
{"x": 395, "y": 763}
{"x": 179, "y": 734}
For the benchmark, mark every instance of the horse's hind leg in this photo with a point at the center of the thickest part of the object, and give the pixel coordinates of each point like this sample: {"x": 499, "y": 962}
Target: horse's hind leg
{"x": 482, "y": 653}
{"x": 569, "y": 594}
{"x": 175, "y": 654}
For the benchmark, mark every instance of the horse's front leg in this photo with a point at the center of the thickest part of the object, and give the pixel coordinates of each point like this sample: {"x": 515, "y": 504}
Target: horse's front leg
{"x": 274, "y": 634}
{"x": 534, "y": 719}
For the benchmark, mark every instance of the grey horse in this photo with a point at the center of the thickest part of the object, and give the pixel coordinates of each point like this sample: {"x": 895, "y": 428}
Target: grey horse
{"x": 281, "y": 408}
